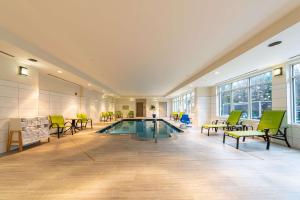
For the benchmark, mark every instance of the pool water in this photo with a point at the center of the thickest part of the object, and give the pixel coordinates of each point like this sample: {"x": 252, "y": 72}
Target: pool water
{"x": 144, "y": 129}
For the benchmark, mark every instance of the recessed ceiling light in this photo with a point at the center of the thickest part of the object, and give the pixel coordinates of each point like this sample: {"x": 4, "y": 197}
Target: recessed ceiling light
{"x": 59, "y": 72}
{"x": 32, "y": 60}
{"x": 89, "y": 84}
{"x": 274, "y": 43}
{"x": 217, "y": 72}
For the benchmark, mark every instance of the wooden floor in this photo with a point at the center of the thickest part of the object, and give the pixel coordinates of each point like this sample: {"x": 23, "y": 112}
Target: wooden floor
{"x": 189, "y": 166}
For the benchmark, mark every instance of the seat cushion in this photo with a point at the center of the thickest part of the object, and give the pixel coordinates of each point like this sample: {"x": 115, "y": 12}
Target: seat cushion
{"x": 238, "y": 134}
{"x": 214, "y": 125}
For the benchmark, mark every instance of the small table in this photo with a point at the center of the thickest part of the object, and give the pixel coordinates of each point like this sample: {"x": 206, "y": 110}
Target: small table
{"x": 73, "y": 124}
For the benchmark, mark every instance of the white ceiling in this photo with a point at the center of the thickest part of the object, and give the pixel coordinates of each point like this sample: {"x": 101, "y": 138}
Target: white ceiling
{"x": 138, "y": 48}
{"x": 46, "y": 68}
{"x": 258, "y": 58}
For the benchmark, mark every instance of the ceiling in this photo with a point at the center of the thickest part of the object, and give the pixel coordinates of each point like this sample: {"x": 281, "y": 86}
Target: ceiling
{"x": 133, "y": 47}
{"x": 256, "y": 59}
{"x": 46, "y": 68}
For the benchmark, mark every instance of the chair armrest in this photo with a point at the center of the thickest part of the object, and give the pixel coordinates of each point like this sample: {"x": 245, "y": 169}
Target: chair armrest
{"x": 51, "y": 126}
{"x": 68, "y": 122}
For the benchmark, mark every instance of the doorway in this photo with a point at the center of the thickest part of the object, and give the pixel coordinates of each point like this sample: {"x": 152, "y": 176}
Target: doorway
{"x": 163, "y": 109}
{"x": 140, "y": 109}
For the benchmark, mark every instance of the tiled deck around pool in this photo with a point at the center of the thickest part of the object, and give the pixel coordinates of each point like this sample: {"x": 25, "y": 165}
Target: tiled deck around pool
{"x": 190, "y": 166}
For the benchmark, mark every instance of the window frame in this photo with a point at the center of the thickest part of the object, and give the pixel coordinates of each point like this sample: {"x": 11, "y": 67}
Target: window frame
{"x": 249, "y": 92}
{"x": 292, "y": 90}
{"x": 182, "y": 103}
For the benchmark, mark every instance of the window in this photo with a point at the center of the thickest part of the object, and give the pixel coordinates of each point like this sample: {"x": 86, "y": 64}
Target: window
{"x": 252, "y": 95}
{"x": 261, "y": 94}
{"x": 240, "y": 96}
{"x": 184, "y": 103}
{"x": 225, "y": 99}
{"x": 296, "y": 92}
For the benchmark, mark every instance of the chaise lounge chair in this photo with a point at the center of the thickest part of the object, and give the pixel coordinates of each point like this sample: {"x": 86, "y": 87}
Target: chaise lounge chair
{"x": 230, "y": 123}
{"x": 268, "y": 127}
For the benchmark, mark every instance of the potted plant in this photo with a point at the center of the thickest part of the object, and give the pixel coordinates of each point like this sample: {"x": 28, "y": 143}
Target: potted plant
{"x": 152, "y": 107}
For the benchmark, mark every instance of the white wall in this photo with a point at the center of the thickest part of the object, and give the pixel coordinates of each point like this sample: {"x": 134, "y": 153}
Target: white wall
{"x": 41, "y": 94}
{"x": 149, "y": 112}
{"x": 125, "y": 101}
{"x": 18, "y": 95}
{"x": 203, "y": 106}
{"x": 57, "y": 96}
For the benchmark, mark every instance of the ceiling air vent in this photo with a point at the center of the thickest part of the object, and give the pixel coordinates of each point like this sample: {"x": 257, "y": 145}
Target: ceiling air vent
{"x": 6, "y": 54}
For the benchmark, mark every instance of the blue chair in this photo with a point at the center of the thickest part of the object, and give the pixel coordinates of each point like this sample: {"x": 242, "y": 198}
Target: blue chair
{"x": 185, "y": 119}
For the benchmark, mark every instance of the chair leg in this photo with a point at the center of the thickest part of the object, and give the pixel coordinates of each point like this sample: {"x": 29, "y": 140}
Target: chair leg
{"x": 58, "y": 133}
{"x": 208, "y": 131}
{"x": 244, "y": 138}
{"x": 9, "y": 139}
{"x": 91, "y": 123}
{"x": 202, "y": 129}
{"x": 20, "y": 141}
{"x": 224, "y": 138}
{"x": 268, "y": 142}
{"x": 237, "y": 142}
{"x": 285, "y": 138}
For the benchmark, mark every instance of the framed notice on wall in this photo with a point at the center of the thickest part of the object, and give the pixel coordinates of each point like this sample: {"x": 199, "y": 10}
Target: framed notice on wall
{"x": 125, "y": 107}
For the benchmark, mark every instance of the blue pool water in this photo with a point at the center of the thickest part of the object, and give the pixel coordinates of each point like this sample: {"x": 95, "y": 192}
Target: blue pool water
{"x": 143, "y": 129}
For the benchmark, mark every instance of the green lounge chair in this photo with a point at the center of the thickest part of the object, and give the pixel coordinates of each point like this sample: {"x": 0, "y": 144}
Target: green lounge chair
{"x": 230, "y": 123}
{"x": 84, "y": 120}
{"x": 58, "y": 121}
{"x": 268, "y": 127}
{"x": 130, "y": 114}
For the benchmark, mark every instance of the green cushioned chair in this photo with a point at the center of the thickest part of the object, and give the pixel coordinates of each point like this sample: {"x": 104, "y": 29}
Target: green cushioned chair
{"x": 104, "y": 116}
{"x": 118, "y": 115}
{"x": 84, "y": 120}
{"x": 58, "y": 122}
{"x": 110, "y": 115}
{"x": 268, "y": 127}
{"x": 231, "y": 122}
{"x": 130, "y": 114}
{"x": 174, "y": 116}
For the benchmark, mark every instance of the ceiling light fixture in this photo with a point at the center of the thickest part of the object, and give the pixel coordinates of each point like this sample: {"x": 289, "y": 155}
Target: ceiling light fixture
{"x": 217, "y": 72}
{"x": 274, "y": 43}
{"x": 32, "y": 60}
{"x": 60, "y": 72}
{"x": 89, "y": 84}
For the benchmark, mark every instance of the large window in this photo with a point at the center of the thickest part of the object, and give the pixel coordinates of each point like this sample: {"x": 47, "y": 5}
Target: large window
{"x": 184, "y": 103}
{"x": 251, "y": 95}
{"x": 296, "y": 92}
{"x": 261, "y": 94}
{"x": 240, "y": 96}
{"x": 225, "y": 99}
